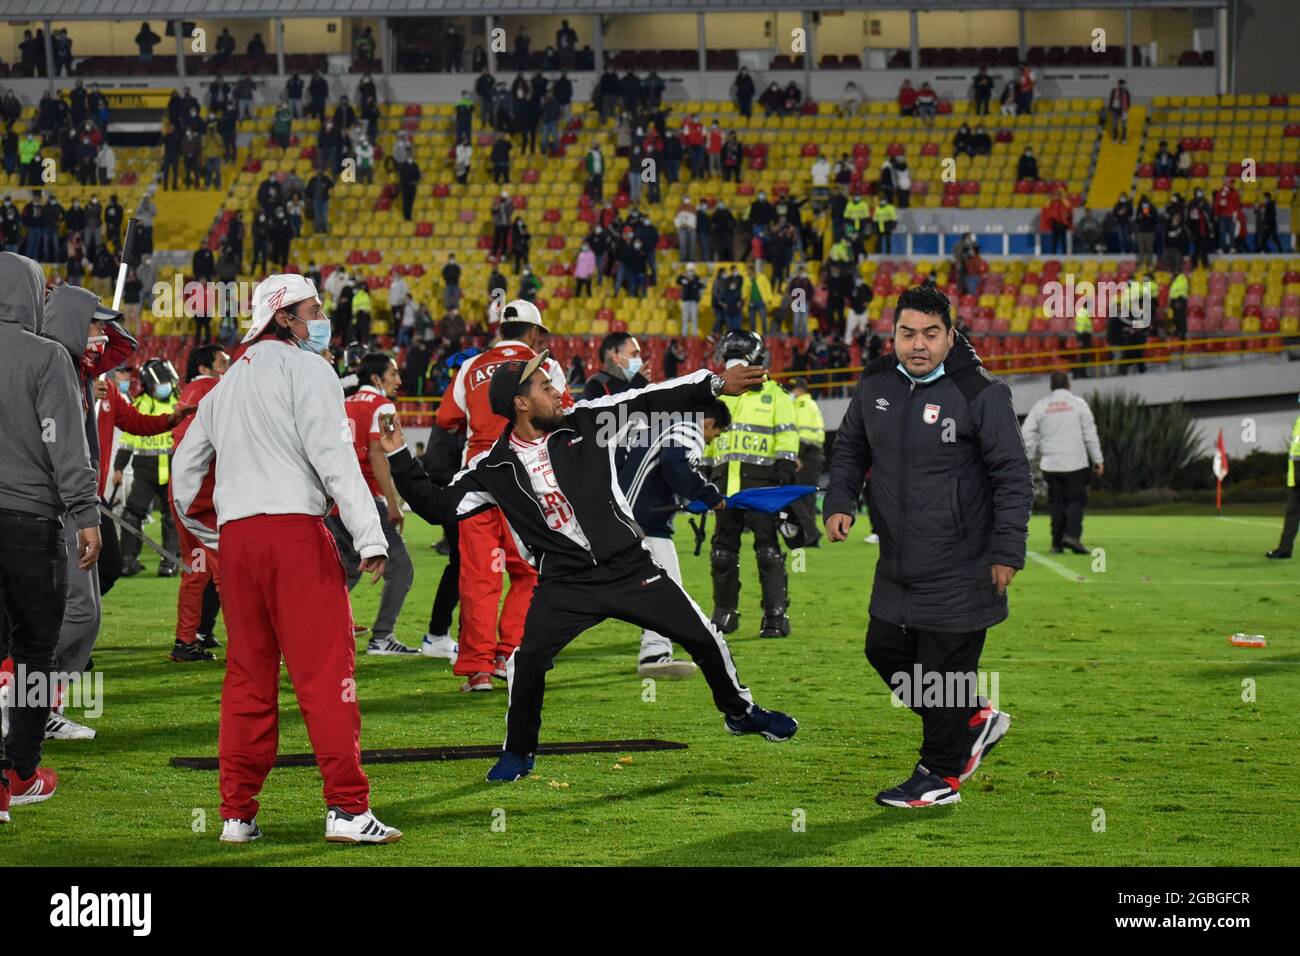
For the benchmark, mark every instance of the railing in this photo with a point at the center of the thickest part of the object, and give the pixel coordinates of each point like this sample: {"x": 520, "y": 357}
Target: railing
{"x": 1155, "y": 352}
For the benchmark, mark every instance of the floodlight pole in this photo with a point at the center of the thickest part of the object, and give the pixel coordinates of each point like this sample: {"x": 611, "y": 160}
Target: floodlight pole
{"x": 49, "y": 56}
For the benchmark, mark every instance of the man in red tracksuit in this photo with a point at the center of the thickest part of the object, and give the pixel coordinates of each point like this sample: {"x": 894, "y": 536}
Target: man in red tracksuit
{"x": 487, "y": 545}
{"x": 206, "y": 365}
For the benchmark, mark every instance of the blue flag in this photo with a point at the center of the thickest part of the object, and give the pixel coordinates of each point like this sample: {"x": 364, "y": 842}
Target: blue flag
{"x": 768, "y": 500}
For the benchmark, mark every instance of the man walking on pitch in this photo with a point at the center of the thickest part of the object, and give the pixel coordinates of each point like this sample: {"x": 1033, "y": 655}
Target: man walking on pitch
{"x": 951, "y": 494}
{"x": 1292, "y": 519}
{"x": 278, "y": 431}
{"x": 550, "y": 473}
{"x": 1062, "y": 428}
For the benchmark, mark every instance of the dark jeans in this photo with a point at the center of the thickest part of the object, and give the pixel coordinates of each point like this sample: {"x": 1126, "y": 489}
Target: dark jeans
{"x": 812, "y": 460}
{"x": 110, "y": 555}
{"x": 448, "y": 596}
{"x": 1067, "y": 496}
{"x": 33, "y": 590}
{"x": 894, "y": 650}
{"x": 1291, "y": 522}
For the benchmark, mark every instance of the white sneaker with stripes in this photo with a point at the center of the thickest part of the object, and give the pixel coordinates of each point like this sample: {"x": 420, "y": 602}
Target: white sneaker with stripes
{"x": 341, "y": 827}
{"x": 58, "y": 727}
{"x": 386, "y": 644}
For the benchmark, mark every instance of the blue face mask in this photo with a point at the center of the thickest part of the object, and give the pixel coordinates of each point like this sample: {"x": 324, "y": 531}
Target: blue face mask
{"x": 937, "y": 372}
{"x": 318, "y": 336}
{"x": 164, "y": 391}
{"x": 633, "y": 366}
{"x": 124, "y": 386}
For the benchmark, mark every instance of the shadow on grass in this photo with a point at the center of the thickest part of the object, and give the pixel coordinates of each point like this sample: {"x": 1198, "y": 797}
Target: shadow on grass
{"x": 782, "y": 845}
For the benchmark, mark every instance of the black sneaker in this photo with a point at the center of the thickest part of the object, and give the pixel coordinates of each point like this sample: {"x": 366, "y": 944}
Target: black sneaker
{"x": 726, "y": 621}
{"x": 1075, "y": 545}
{"x": 131, "y": 568}
{"x": 922, "y": 789}
{"x": 209, "y": 641}
{"x": 166, "y": 570}
{"x": 1277, "y": 554}
{"x": 193, "y": 651}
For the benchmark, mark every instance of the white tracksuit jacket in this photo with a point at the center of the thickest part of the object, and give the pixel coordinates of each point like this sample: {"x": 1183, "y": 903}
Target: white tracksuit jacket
{"x": 277, "y": 427}
{"x": 1062, "y": 428}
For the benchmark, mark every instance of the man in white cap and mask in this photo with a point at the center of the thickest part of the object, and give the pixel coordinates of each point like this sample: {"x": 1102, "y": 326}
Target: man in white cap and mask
{"x": 278, "y": 432}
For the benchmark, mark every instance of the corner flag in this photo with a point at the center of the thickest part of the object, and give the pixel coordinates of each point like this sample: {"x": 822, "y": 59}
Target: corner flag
{"x": 1220, "y": 466}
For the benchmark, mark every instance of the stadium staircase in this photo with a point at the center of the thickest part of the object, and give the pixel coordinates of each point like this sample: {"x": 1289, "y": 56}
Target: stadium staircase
{"x": 1116, "y": 162}
{"x": 186, "y": 216}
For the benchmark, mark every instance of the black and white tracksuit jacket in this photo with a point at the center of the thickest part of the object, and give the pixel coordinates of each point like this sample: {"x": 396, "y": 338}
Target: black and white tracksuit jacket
{"x": 582, "y": 456}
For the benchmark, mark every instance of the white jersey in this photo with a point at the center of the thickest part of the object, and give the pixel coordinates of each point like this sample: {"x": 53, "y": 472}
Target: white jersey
{"x": 536, "y": 459}
{"x": 277, "y": 428}
{"x": 1061, "y": 426}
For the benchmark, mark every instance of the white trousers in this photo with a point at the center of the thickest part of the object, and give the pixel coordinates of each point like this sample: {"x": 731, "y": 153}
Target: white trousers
{"x": 653, "y": 644}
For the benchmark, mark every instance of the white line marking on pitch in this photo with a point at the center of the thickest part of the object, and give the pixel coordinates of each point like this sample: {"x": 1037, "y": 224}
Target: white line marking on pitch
{"x": 1060, "y": 569}
{"x": 1262, "y": 523}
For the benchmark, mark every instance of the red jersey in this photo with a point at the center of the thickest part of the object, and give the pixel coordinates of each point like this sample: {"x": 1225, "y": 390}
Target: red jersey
{"x": 192, "y": 394}
{"x": 465, "y": 405}
{"x": 364, "y": 409}
{"x": 115, "y": 411}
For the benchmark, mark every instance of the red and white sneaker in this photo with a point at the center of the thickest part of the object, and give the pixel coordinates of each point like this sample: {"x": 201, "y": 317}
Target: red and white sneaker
{"x": 499, "y": 666}
{"x": 987, "y": 727}
{"x": 38, "y": 787}
{"x": 477, "y": 682}
{"x": 359, "y": 629}
{"x": 4, "y": 798}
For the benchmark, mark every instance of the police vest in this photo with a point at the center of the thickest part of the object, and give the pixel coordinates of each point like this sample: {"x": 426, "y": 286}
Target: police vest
{"x": 762, "y": 432}
{"x": 153, "y": 446}
{"x": 1294, "y": 454}
{"x": 808, "y": 419}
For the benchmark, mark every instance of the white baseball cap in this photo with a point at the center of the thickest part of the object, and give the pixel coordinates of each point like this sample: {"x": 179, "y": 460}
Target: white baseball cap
{"x": 276, "y": 292}
{"x": 521, "y": 310}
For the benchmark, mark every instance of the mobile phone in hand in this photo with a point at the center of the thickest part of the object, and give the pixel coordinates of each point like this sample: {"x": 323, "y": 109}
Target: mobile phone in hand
{"x": 388, "y": 423}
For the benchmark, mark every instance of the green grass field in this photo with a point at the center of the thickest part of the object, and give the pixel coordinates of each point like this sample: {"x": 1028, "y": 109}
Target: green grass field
{"x": 1127, "y": 700}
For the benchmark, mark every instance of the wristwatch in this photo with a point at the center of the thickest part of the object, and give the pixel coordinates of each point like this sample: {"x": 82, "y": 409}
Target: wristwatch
{"x": 717, "y": 383}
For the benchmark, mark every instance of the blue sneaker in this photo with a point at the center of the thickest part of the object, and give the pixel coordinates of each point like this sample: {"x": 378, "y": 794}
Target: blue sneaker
{"x": 923, "y": 789}
{"x": 509, "y": 768}
{"x": 773, "y": 725}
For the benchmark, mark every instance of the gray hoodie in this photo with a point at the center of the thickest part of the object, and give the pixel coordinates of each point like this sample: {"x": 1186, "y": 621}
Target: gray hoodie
{"x": 44, "y": 459}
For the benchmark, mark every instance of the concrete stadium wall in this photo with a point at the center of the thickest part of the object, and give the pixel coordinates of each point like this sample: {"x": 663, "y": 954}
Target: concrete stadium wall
{"x": 826, "y": 84}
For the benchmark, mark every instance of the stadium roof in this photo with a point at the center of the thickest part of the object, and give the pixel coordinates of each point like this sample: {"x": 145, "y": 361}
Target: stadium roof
{"x": 228, "y": 9}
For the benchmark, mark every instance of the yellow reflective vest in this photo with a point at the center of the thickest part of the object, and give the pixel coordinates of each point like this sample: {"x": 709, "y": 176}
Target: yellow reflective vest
{"x": 1082, "y": 320}
{"x": 762, "y": 433}
{"x": 808, "y": 420}
{"x": 1295, "y": 454}
{"x": 151, "y": 446}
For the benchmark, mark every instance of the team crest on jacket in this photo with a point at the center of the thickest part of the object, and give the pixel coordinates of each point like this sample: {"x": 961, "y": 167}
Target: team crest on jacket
{"x": 930, "y": 415}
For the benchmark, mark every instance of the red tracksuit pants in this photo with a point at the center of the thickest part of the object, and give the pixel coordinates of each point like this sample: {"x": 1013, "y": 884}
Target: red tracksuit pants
{"x": 203, "y": 564}
{"x": 486, "y": 549}
{"x": 283, "y": 593}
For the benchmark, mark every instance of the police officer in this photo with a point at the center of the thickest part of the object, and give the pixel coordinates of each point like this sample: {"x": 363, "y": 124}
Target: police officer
{"x": 812, "y": 437}
{"x": 1292, "y": 521}
{"x": 759, "y": 450}
{"x": 150, "y": 457}
{"x": 1061, "y": 428}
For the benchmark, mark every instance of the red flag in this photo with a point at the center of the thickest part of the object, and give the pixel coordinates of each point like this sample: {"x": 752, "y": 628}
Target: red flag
{"x": 1220, "y": 466}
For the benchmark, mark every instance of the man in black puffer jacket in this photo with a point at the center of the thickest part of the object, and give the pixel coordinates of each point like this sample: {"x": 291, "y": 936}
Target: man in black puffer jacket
{"x": 951, "y": 494}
